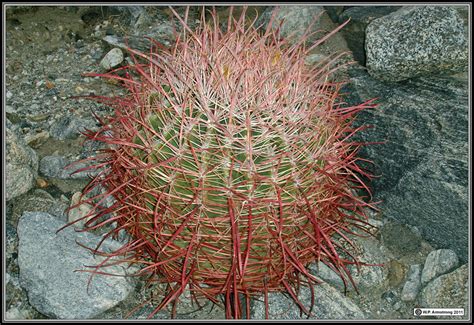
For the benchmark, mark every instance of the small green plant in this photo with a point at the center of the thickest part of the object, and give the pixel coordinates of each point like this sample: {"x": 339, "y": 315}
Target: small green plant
{"x": 231, "y": 165}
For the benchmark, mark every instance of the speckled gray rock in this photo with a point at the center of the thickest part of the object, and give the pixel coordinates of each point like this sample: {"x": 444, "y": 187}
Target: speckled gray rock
{"x": 298, "y": 18}
{"x": 413, "y": 284}
{"x": 366, "y": 278}
{"x": 78, "y": 213}
{"x": 54, "y": 166}
{"x": 438, "y": 262}
{"x": 325, "y": 273}
{"x": 369, "y": 277}
{"x": 416, "y": 41}
{"x": 38, "y": 201}
{"x": 17, "y": 303}
{"x": 16, "y": 314}
{"x": 354, "y": 31}
{"x": 329, "y": 304}
{"x": 448, "y": 291}
{"x": 334, "y": 12}
{"x": 400, "y": 239}
{"x": 112, "y": 59}
{"x": 21, "y": 164}
{"x": 11, "y": 246}
{"x": 188, "y": 309}
{"x": 48, "y": 262}
{"x": 135, "y": 42}
{"x": 69, "y": 127}
{"x": 159, "y": 28}
{"x": 424, "y": 162}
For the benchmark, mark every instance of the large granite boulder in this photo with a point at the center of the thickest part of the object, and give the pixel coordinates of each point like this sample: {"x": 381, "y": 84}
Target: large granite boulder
{"x": 417, "y": 41}
{"x": 354, "y": 31}
{"x": 424, "y": 162}
{"x": 49, "y": 262}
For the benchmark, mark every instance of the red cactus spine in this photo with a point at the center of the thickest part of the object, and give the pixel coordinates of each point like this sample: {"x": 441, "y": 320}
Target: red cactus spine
{"x": 231, "y": 165}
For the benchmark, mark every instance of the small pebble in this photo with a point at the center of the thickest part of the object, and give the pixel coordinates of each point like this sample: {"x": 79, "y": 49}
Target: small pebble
{"x": 79, "y": 211}
{"x": 437, "y": 263}
{"x": 41, "y": 182}
{"x": 49, "y": 84}
{"x": 112, "y": 59}
{"x": 9, "y": 109}
{"x": 413, "y": 284}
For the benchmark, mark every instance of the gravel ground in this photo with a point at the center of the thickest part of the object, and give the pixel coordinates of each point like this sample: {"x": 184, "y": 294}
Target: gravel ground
{"x": 48, "y": 49}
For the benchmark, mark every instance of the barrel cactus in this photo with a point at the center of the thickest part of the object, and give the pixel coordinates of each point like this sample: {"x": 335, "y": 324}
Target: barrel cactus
{"x": 231, "y": 165}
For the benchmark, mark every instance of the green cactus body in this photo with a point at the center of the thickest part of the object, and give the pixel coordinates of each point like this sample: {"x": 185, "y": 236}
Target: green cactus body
{"x": 230, "y": 164}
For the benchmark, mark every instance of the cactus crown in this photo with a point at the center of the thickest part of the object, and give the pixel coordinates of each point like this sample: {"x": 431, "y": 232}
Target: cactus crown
{"x": 230, "y": 163}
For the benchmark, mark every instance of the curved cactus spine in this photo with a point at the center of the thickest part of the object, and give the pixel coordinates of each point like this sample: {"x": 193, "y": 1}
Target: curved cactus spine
{"x": 231, "y": 164}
